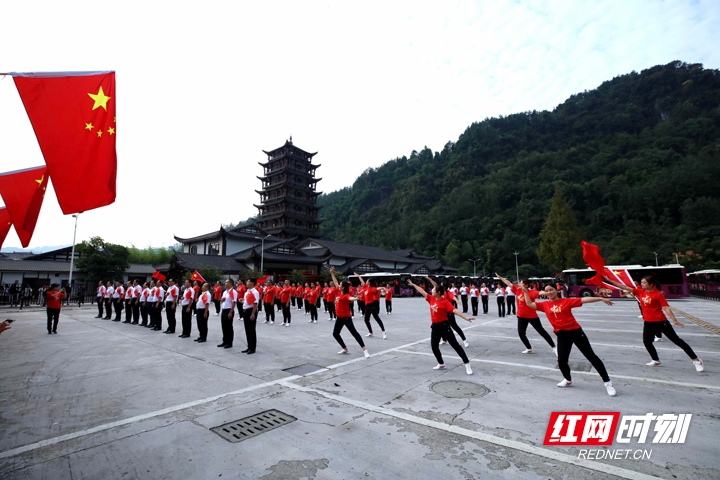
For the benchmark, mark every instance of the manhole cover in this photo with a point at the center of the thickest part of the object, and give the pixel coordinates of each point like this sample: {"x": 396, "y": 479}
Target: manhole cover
{"x": 577, "y": 367}
{"x": 303, "y": 369}
{"x": 252, "y": 426}
{"x": 458, "y": 389}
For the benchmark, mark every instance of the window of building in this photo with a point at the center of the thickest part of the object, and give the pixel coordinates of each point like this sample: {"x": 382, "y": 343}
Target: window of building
{"x": 193, "y": 249}
{"x": 214, "y": 249}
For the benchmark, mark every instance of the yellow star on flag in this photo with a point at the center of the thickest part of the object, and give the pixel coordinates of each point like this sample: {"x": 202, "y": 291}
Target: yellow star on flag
{"x": 99, "y": 133}
{"x": 100, "y": 99}
{"x": 40, "y": 181}
{"x": 111, "y": 130}
{"x": 89, "y": 126}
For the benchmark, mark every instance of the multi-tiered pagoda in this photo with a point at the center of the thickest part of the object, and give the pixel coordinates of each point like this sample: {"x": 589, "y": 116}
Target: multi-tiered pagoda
{"x": 288, "y": 193}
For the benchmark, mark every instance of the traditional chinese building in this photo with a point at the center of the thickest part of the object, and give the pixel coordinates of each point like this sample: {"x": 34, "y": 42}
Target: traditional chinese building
{"x": 288, "y": 197}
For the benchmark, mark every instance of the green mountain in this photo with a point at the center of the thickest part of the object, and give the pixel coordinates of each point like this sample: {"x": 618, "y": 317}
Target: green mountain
{"x": 637, "y": 159}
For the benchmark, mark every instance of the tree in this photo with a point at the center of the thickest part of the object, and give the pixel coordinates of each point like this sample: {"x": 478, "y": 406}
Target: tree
{"x": 327, "y": 277}
{"x": 210, "y": 274}
{"x": 452, "y": 254}
{"x": 253, "y": 273}
{"x": 296, "y": 276}
{"x": 152, "y": 255}
{"x": 101, "y": 260}
{"x": 560, "y": 238}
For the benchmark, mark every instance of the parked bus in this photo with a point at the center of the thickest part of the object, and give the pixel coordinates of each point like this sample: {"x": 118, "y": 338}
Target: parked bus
{"x": 705, "y": 284}
{"x": 673, "y": 279}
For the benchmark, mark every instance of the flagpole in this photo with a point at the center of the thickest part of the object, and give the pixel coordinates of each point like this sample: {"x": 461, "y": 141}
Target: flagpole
{"x": 72, "y": 256}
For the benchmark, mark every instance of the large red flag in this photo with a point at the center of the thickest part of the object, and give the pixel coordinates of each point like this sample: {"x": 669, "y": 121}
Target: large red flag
{"x": 23, "y": 192}
{"x": 620, "y": 275}
{"x": 5, "y": 224}
{"x": 593, "y": 259}
{"x": 73, "y": 115}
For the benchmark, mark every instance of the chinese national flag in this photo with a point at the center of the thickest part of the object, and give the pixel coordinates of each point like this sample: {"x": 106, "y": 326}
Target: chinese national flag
{"x": 262, "y": 280}
{"x": 73, "y": 115}
{"x": 159, "y": 276}
{"x": 5, "y": 224}
{"x": 593, "y": 259}
{"x": 620, "y": 276}
{"x": 23, "y": 192}
{"x": 197, "y": 276}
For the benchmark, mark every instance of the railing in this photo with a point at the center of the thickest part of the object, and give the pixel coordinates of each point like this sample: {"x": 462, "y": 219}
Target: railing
{"x": 706, "y": 294}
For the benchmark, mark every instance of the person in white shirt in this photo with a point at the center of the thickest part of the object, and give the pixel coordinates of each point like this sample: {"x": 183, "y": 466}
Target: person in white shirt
{"x": 484, "y": 294}
{"x": 129, "y": 295}
{"x": 109, "y": 290}
{"x": 464, "y": 297}
{"x": 202, "y": 308}
{"x": 151, "y": 301}
{"x": 143, "y": 299}
{"x": 250, "y": 308}
{"x": 136, "y": 302}
{"x": 188, "y": 296}
{"x": 474, "y": 297}
{"x": 100, "y": 298}
{"x": 170, "y": 305}
{"x": 118, "y": 296}
{"x": 229, "y": 297}
{"x": 157, "y": 310}
{"x": 510, "y": 300}
{"x": 500, "y": 294}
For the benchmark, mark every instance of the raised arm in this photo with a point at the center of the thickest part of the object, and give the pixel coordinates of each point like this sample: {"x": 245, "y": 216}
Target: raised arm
{"x": 420, "y": 290}
{"x": 585, "y": 300}
{"x": 504, "y": 280}
{"x": 332, "y": 273}
{"x": 432, "y": 282}
{"x": 362, "y": 282}
{"x": 621, "y": 286}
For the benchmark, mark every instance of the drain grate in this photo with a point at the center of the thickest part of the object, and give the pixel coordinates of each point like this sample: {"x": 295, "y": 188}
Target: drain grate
{"x": 578, "y": 367}
{"x": 303, "y": 369}
{"x": 252, "y": 426}
{"x": 459, "y": 389}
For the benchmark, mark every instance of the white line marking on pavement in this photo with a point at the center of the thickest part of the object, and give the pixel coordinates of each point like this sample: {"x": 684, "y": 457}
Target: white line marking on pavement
{"x": 515, "y": 445}
{"x": 639, "y": 332}
{"x": 540, "y": 367}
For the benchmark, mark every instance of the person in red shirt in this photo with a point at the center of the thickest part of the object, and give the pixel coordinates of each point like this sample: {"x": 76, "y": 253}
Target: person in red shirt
{"x": 306, "y": 293}
{"x": 217, "y": 295}
{"x": 318, "y": 300}
{"x": 341, "y": 306}
{"x": 277, "y": 290}
{"x": 268, "y": 301}
{"x": 196, "y": 287}
{"x": 352, "y": 304}
{"x": 527, "y": 315}
{"x": 312, "y": 297}
{"x": 324, "y": 297}
{"x": 361, "y": 299}
{"x": 241, "y": 290}
{"x": 285, "y": 295}
{"x": 388, "y": 298}
{"x": 299, "y": 292}
{"x": 54, "y": 302}
{"x": 653, "y": 305}
{"x": 372, "y": 305}
{"x": 569, "y": 332}
{"x": 332, "y": 293}
{"x": 440, "y": 307}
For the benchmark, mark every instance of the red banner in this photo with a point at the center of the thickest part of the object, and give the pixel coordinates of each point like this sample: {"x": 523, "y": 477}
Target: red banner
{"x": 5, "y": 224}
{"x": 23, "y": 192}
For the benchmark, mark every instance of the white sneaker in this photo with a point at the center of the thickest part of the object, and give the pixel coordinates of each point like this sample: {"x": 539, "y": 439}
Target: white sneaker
{"x": 443, "y": 342}
{"x": 529, "y": 350}
{"x": 384, "y": 335}
{"x": 555, "y": 351}
{"x": 369, "y": 335}
{"x": 654, "y": 364}
{"x": 640, "y": 316}
{"x": 468, "y": 370}
{"x": 610, "y": 389}
{"x": 315, "y": 321}
{"x": 310, "y": 321}
{"x": 467, "y": 344}
{"x": 272, "y": 323}
{"x": 564, "y": 384}
{"x": 342, "y": 352}
{"x": 287, "y": 325}
{"x": 439, "y": 366}
{"x": 367, "y": 354}
{"x": 698, "y": 365}
{"x": 658, "y": 339}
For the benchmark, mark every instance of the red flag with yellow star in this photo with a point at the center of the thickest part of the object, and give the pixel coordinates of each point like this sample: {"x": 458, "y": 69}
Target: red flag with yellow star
{"x": 23, "y": 192}
{"x": 5, "y": 224}
{"x": 73, "y": 115}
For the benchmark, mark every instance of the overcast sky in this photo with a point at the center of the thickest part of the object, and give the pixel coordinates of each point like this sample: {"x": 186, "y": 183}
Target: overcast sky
{"x": 203, "y": 87}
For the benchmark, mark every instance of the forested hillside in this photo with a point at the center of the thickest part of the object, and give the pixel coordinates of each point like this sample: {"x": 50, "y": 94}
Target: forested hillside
{"x": 637, "y": 159}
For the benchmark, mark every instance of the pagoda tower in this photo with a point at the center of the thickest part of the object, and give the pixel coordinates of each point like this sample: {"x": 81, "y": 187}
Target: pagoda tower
{"x": 288, "y": 197}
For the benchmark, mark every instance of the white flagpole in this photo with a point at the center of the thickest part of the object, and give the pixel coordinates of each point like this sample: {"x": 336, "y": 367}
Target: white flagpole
{"x": 72, "y": 256}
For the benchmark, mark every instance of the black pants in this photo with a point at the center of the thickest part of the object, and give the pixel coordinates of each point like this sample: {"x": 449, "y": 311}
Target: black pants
{"x": 352, "y": 308}
{"x": 217, "y": 305}
{"x": 474, "y": 305}
{"x": 464, "y": 303}
{"x": 455, "y": 326}
{"x": 361, "y": 307}
{"x": 535, "y": 322}
{"x": 566, "y": 339}
{"x": 157, "y": 315}
{"x": 144, "y": 314}
{"x": 511, "y": 305}
{"x": 325, "y": 304}
{"x": 485, "y": 303}
{"x": 278, "y": 304}
{"x": 118, "y": 308}
{"x": 501, "y": 306}
{"x": 226, "y": 321}
{"x": 292, "y": 301}
{"x": 250, "y": 325}
{"x": 128, "y": 311}
{"x": 269, "y": 312}
{"x": 440, "y": 331}
{"x": 652, "y": 329}
{"x": 202, "y": 322}
{"x": 370, "y": 309}
{"x": 388, "y": 306}
{"x": 299, "y": 301}
{"x": 136, "y": 312}
{"x": 286, "y": 313}
{"x": 100, "y": 307}
{"x": 186, "y": 320}
{"x": 346, "y": 322}
{"x": 331, "y": 309}
{"x": 313, "y": 312}
{"x": 108, "y": 308}
{"x": 53, "y": 317}
{"x": 307, "y": 306}
{"x": 170, "y": 315}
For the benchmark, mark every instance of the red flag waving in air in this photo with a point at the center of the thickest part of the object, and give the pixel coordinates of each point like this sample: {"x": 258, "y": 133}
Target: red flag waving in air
{"x": 620, "y": 275}
{"x": 5, "y": 224}
{"x": 197, "y": 276}
{"x": 23, "y": 192}
{"x": 159, "y": 276}
{"x": 73, "y": 115}
{"x": 593, "y": 259}
{"x": 262, "y": 280}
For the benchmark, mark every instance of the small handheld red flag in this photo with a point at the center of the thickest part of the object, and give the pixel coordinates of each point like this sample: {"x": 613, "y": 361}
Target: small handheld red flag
{"x": 73, "y": 115}
{"x": 23, "y": 192}
{"x": 5, "y": 224}
{"x": 159, "y": 276}
{"x": 593, "y": 259}
{"x": 197, "y": 276}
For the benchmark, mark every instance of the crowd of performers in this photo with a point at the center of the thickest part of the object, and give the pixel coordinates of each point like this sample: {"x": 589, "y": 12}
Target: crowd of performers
{"x": 143, "y": 305}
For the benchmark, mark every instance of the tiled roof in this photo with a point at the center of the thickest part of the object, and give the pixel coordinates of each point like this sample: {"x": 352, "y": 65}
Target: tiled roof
{"x": 223, "y": 263}
{"x": 35, "y": 266}
{"x": 140, "y": 269}
{"x": 351, "y": 250}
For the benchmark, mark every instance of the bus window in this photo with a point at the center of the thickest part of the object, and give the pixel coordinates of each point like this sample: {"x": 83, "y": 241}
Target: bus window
{"x": 572, "y": 280}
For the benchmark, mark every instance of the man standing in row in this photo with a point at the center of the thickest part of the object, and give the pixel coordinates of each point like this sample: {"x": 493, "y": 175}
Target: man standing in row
{"x": 118, "y": 295}
{"x": 109, "y": 291}
{"x": 100, "y": 298}
{"x": 171, "y": 304}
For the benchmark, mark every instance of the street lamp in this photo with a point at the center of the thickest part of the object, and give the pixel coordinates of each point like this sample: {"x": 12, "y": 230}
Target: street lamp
{"x": 474, "y": 261}
{"x": 517, "y": 270}
{"x": 262, "y": 252}
{"x": 72, "y": 255}
{"x": 656, "y": 262}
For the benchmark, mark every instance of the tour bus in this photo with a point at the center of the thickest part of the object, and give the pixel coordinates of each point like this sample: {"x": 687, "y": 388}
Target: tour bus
{"x": 672, "y": 278}
{"x": 705, "y": 284}
{"x": 402, "y": 289}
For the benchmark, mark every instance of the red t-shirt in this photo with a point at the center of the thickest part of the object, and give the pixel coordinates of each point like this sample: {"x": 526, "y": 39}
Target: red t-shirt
{"x": 325, "y": 293}
{"x": 217, "y": 292}
{"x": 522, "y": 309}
{"x": 312, "y": 296}
{"x": 259, "y": 288}
{"x": 285, "y": 294}
{"x": 352, "y": 291}
{"x": 651, "y": 303}
{"x": 269, "y": 296}
{"x": 370, "y": 293}
{"x": 241, "y": 289}
{"x": 342, "y": 306}
{"x": 439, "y": 308}
{"x": 332, "y": 293}
{"x": 54, "y": 298}
{"x": 388, "y": 294}
{"x": 361, "y": 294}
{"x": 299, "y": 292}
{"x": 559, "y": 314}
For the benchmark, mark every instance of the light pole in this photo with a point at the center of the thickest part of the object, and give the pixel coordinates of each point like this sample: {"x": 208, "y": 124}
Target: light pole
{"x": 474, "y": 262}
{"x": 262, "y": 252}
{"x": 517, "y": 270}
{"x": 656, "y": 262}
{"x": 72, "y": 256}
